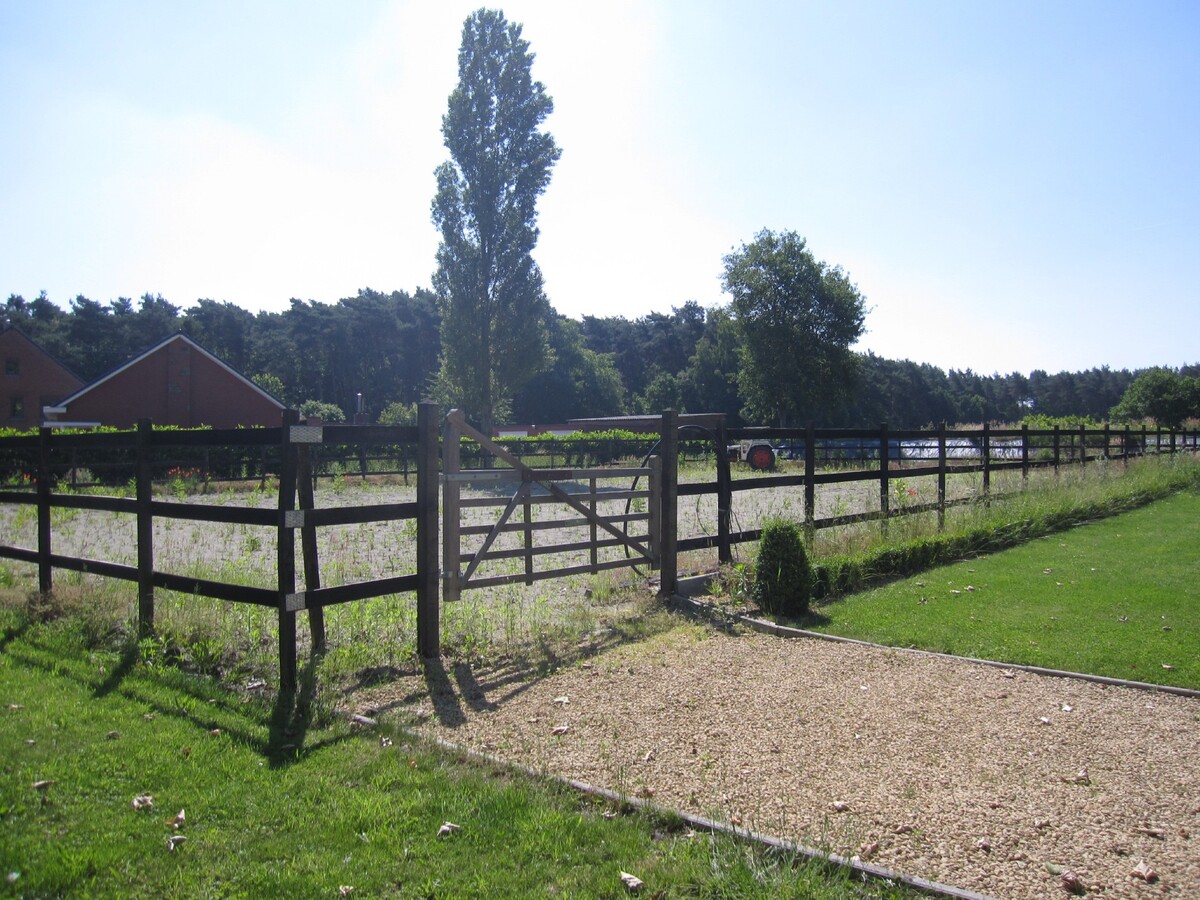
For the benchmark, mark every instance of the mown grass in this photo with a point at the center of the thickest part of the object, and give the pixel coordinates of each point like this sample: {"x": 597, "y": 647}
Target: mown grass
{"x": 278, "y": 800}
{"x": 1117, "y": 596}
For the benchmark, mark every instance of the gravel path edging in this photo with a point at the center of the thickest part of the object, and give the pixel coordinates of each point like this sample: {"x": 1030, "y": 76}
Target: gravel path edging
{"x": 701, "y": 823}
{"x": 765, "y": 627}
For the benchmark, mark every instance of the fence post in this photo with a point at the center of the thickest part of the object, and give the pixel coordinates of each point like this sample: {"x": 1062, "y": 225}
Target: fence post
{"x": 45, "y": 578}
{"x": 145, "y": 529}
{"x": 1083, "y": 445}
{"x": 884, "y": 500}
{"x": 1172, "y": 440}
{"x": 451, "y": 492}
{"x": 1024, "y": 454}
{"x": 1057, "y": 445}
{"x": 724, "y": 495}
{"x": 941, "y": 477}
{"x": 986, "y": 453}
{"x": 1125, "y": 448}
{"x": 810, "y": 483}
{"x": 1107, "y": 454}
{"x": 308, "y": 544}
{"x": 285, "y": 553}
{"x": 429, "y": 639}
{"x": 654, "y": 512}
{"x": 669, "y": 514}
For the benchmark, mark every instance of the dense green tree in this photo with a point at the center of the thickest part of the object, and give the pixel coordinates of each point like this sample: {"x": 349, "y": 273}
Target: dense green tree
{"x": 797, "y": 318}
{"x": 1162, "y": 395}
{"x": 643, "y": 347}
{"x": 494, "y": 310}
{"x": 223, "y": 329}
{"x": 581, "y": 383}
{"x": 709, "y": 383}
{"x": 663, "y": 392}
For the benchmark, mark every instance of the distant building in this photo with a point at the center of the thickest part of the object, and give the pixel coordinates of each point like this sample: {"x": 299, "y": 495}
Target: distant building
{"x": 175, "y": 382}
{"x": 33, "y": 379}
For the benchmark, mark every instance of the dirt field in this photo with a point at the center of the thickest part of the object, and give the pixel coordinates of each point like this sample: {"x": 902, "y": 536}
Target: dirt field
{"x": 994, "y": 780}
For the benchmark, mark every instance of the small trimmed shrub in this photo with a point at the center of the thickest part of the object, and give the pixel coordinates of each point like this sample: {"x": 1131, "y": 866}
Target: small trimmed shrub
{"x": 782, "y": 575}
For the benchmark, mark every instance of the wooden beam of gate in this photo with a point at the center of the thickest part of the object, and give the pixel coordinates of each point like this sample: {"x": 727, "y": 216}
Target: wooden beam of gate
{"x": 554, "y": 489}
{"x": 520, "y": 495}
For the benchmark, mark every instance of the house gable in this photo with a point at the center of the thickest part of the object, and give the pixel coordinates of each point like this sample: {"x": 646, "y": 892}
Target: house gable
{"x": 175, "y": 382}
{"x": 32, "y": 379}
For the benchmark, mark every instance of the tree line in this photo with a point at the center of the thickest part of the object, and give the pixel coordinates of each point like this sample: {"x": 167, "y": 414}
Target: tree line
{"x": 387, "y": 347}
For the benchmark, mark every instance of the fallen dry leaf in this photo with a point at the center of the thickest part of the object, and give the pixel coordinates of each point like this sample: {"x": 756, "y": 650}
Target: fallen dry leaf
{"x": 345, "y": 890}
{"x": 645, "y": 792}
{"x": 632, "y": 883}
{"x": 175, "y": 840}
{"x": 866, "y": 851}
{"x": 448, "y": 828}
{"x": 143, "y": 801}
{"x": 1150, "y": 831}
{"x": 1144, "y": 872}
{"x": 560, "y": 729}
{"x": 43, "y": 784}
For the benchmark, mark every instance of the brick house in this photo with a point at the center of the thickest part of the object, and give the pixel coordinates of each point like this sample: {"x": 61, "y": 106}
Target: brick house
{"x": 175, "y": 382}
{"x": 33, "y": 379}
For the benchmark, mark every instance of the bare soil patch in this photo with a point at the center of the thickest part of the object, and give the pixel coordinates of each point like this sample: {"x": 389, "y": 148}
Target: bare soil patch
{"x": 983, "y": 778}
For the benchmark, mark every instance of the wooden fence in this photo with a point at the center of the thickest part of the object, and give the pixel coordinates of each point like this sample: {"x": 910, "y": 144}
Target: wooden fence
{"x": 47, "y": 462}
{"x": 294, "y": 514}
{"x": 883, "y": 456}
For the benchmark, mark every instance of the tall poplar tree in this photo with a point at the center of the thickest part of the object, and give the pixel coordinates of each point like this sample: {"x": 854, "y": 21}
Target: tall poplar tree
{"x": 494, "y": 310}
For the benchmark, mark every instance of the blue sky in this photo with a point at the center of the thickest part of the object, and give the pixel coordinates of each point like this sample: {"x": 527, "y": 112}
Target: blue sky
{"x": 1012, "y": 185}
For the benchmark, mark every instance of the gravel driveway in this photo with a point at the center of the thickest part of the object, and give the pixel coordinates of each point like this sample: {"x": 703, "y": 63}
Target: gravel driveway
{"x": 988, "y": 779}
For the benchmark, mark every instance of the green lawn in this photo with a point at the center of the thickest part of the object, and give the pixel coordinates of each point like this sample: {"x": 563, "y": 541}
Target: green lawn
{"x": 1120, "y": 597}
{"x": 274, "y": 806}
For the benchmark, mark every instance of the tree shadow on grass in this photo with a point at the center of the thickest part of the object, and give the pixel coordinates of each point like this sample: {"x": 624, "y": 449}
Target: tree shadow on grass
{"x": 169, "y": 692}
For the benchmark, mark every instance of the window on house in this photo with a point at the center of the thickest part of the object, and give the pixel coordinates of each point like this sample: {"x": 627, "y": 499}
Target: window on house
{"x": 12, "y": 366}
{"x": 16, "y": 409}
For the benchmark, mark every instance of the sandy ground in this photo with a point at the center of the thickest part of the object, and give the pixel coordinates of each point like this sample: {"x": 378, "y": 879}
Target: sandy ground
{"x": 988, "y": 779}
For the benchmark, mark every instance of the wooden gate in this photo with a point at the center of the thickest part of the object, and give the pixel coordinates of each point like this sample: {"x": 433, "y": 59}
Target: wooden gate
{"x": 597, "y": 534}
